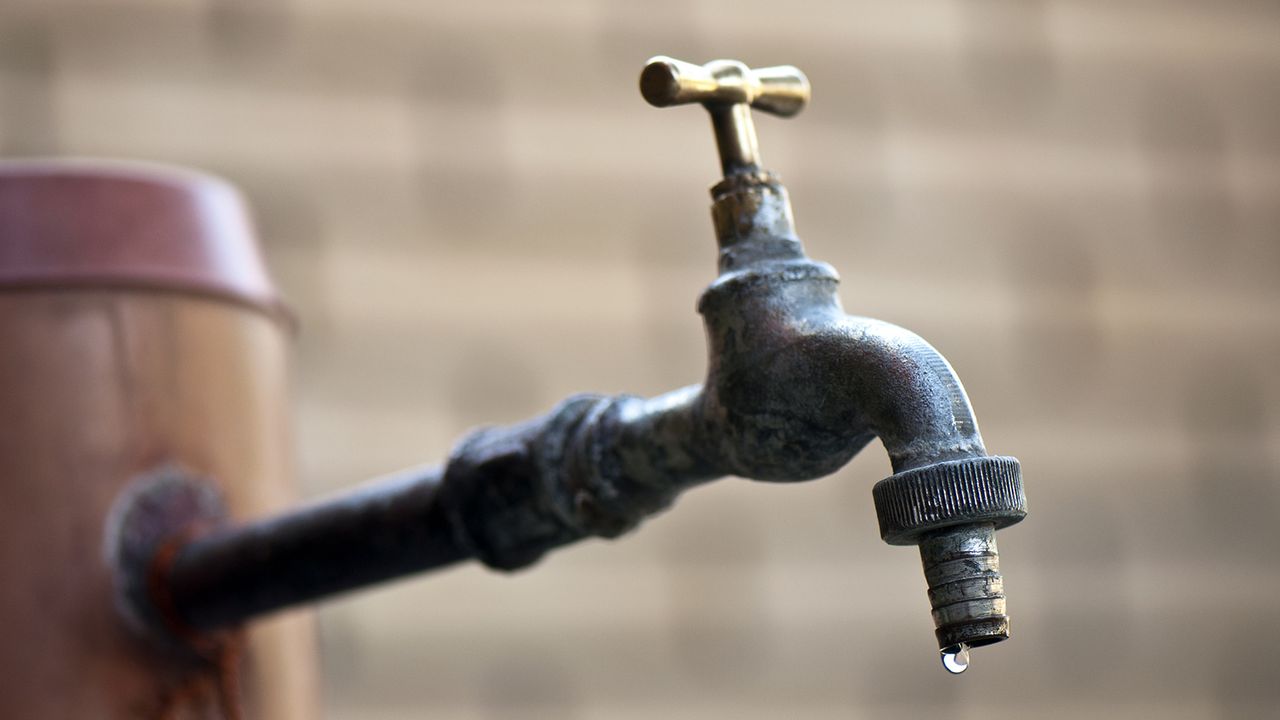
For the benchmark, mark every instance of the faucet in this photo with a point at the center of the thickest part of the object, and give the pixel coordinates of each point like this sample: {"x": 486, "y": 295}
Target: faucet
{"x": 794, "y": 389}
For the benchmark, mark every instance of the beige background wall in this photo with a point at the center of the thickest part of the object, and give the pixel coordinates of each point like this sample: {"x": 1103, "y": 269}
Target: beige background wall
{"x": 475, "y": 214}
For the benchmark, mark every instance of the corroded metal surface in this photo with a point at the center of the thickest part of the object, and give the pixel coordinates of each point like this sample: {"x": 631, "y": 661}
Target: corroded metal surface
{"x": 794, "y": 389}
{"x": 391, "y": 528}
{"x": 161, "y": 507}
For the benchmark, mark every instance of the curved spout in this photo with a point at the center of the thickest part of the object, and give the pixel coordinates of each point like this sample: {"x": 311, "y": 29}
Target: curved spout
{"x": 800, "y": 387}
{"x": 912, "y": 398}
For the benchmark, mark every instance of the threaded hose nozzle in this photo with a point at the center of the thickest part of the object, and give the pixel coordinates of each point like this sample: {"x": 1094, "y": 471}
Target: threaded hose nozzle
{"x": 966, "y": 592}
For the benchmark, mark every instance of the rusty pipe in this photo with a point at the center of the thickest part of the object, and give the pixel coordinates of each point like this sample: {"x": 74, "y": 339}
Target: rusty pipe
{"x": 391, "y": 527}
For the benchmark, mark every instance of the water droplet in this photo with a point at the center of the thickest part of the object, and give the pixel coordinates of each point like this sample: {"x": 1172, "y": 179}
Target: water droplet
{"x": 955, "y": 658}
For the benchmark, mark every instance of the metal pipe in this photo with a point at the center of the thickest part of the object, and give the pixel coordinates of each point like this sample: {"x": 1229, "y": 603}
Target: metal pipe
{"x": 966, "y": 590}
{"x": 386, "y": 529}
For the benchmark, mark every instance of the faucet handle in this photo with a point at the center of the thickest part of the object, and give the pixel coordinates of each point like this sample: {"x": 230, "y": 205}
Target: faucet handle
{"x": 728, "y": 90}
{"x": 781, "y": 90}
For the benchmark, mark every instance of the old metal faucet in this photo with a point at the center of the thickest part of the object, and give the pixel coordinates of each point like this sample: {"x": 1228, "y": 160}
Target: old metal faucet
{"x": 794, "y": 389}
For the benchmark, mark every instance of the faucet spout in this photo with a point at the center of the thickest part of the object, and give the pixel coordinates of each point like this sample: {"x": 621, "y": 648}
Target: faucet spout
{"x": 799, "y": 387}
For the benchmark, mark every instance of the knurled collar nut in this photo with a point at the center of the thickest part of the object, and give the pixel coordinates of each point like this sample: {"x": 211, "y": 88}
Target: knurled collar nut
{"x": 957, "y": 492}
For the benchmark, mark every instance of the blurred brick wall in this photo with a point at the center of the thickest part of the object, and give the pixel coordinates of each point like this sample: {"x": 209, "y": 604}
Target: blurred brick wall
{"x": 475, "y": 215}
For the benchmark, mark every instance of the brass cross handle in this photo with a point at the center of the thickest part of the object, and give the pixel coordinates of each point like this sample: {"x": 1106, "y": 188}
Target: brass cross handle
{"x": 728, "y": 90}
